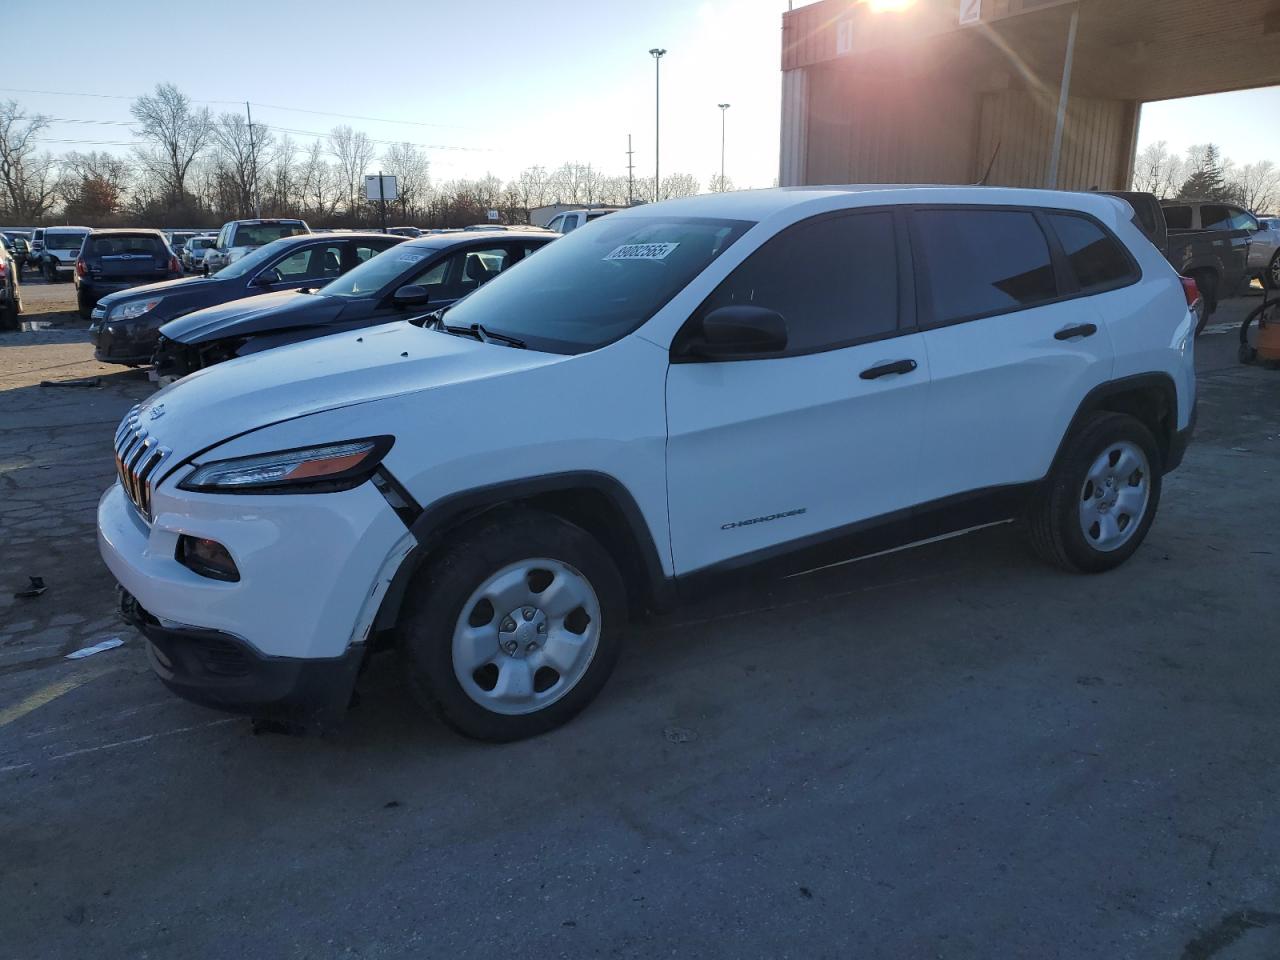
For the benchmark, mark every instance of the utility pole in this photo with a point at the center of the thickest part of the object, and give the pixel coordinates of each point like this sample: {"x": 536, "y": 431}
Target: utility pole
{"x": 657, "y": 54}
{"x": 255, "y": 198}
{"x": 723, "y": 108}
{"x": 631, "y": 175}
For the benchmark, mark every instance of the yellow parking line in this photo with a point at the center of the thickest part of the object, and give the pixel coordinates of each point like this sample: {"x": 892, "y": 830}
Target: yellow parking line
{"x": 38, "y": 699}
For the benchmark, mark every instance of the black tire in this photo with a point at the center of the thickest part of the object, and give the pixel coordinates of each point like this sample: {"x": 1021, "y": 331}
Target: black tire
{"x": 16, "y": 297}
{"x": 8, "y": 316}
{"x": 1054, "y": 525}
{"x": 1207, "y": 283}
{"x": 440, "y": 590}
{"x": 50, "y": 273}
{"x": 1271, "y": 276}
{"x": 84, "y": 307}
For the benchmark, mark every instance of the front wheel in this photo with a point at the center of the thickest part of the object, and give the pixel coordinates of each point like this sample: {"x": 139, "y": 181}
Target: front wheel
{"x": 50, "y": 273}
{"x": 1271, "y": 277}
{"x": 514, "y": 626}
{"x": 1101, "y": 497}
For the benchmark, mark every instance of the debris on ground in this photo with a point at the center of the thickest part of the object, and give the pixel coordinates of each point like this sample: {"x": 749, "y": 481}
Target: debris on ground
{"x": 82, "y": 382}
{"x": 36, "y": 588}
{"x": 83, "y": 652}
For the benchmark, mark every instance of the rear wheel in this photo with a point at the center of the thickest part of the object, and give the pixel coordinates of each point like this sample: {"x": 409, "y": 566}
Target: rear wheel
{"x": 84, "y": 305}
{"x": 50, "y": 272}
{"x": 1101, "y": 497}
{"x": 514, "y": 626}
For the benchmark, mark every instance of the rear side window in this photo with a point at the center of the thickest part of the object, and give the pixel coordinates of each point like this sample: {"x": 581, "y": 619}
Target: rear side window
{"x": 982, "y": 262}
{"x": 1177, "y": 218}
{"x": 834, "y": 280}
{"x": 115, "y": 246}
{"x": 1096, "y": 258}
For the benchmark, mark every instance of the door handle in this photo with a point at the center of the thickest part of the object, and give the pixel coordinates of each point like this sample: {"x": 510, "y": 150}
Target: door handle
{"x": 1080, "y": 330}
{"x": 886, "y": 369}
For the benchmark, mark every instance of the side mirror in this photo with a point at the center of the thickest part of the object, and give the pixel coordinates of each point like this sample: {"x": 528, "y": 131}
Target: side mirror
{"x": 410, "y": 295}
{"x": 268, "y": 278}
{"x": 735, "y": 332}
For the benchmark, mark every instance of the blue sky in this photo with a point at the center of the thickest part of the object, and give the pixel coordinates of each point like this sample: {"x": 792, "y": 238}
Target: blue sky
{"x": 489, "y": 87}
{"x": 514, "y": 83}
{"x": 1245, "y": 124}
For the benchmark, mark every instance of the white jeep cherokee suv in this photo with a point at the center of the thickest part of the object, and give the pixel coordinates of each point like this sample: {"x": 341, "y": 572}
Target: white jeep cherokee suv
{"x": 767, "y": 380}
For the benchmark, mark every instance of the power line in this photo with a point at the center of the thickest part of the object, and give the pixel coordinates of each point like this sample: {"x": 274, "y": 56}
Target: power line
{"x": 269, "y": 106}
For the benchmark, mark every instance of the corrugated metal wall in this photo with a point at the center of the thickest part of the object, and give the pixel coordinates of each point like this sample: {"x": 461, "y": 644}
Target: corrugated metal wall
{"x": 862, "y": 130}
{"x": 1097, "y": 141}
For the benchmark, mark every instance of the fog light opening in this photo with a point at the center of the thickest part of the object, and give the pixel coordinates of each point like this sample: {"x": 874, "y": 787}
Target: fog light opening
{"x": 208, "y": 558}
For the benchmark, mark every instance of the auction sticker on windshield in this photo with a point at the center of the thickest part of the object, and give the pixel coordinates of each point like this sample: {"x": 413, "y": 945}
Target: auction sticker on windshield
{"x": 642, "y": 251}
{"x": 410, "y": 257}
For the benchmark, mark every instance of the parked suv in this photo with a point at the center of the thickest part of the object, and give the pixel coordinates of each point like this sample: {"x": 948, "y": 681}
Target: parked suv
{"x": 60, "y": 252}
{"x": 238, "y": 237}
{"x": 115, "y": 260}
{"x": 675, "y": 396}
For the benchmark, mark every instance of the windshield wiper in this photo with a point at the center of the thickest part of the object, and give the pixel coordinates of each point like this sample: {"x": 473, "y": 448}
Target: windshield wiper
{"x": 483, "y": 335}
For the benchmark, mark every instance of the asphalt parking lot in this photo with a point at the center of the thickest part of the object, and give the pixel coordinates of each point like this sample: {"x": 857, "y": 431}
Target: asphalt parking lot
{"x": 951, "y": 751}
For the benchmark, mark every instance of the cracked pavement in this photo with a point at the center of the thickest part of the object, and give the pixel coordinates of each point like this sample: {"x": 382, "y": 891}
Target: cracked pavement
{"x": 951, "y": 751}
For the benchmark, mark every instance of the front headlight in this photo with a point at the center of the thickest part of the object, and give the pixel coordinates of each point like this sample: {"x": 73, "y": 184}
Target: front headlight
{"x": 134, "y": 309}
{"x": 336, "y": 466}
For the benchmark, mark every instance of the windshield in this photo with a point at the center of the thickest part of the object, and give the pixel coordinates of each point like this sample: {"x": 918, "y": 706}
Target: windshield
{"x": 256, "y": 234}
{"x": 201, "y": 243}
{"x": 253, "y": 260}
{"x": 598, "y": 283}
{"x": 63, "y": 241}
{"x": 114, "y": 245}
{"x": 377, "y": 272}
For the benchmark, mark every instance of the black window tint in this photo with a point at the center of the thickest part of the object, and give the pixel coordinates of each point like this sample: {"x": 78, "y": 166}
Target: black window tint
{"x": 833, "y": 280}
{"x": 1177, "y": 218}
{"x": 1096, "y": 258}
{"x": 983, "y": 261}
{"x": 1214, "y": 216}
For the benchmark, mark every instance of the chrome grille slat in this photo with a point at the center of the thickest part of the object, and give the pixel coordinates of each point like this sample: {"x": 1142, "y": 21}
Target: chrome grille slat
{"x": 139, "y": 457}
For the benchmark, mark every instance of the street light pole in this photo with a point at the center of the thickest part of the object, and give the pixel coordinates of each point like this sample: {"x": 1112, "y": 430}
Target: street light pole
{"x": 723, "y": 108}
{"x": 657, "y": 53}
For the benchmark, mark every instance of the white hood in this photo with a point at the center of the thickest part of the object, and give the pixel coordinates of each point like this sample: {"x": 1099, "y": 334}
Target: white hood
{"x": 241, "y": 395}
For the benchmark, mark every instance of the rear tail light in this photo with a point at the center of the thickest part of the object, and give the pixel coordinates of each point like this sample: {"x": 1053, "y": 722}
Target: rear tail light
{"x": 4, "y": 270}
{"x": 81, "y": 267}
{"x": 174, "y": 267}
{"x": 1190, "y": 291}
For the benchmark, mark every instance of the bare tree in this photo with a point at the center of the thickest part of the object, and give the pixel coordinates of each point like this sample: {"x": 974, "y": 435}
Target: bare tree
{"x": 319, "y": 189}
{"x": 93, "y": 186}
{"x": 1257, "y": 186}
{"x": 174, "y": 134}
{"x": 240, "y": 151}
{"x": 412, "y": 171}
{"x": 279, "y": 177}
{"x": 679, "y": 185}
{"x": 1156, "y": 170}
{"x": 353, "y": 151}
{"x": 719, "y": 184}
{"x": 27, "y": 177}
